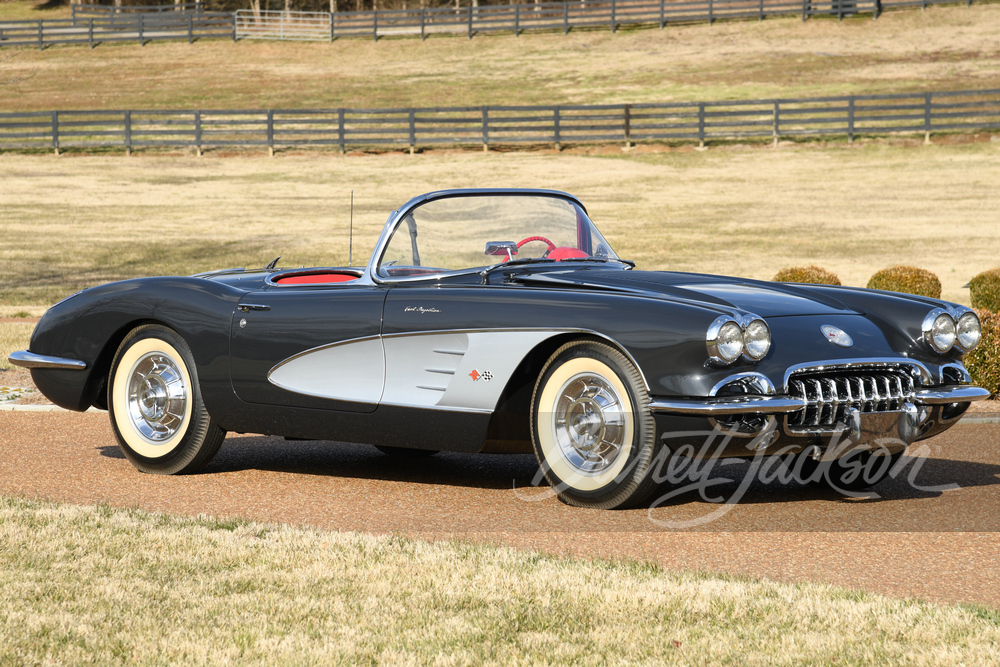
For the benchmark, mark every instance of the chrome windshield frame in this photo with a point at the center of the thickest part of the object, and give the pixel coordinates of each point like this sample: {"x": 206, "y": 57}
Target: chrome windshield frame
{"x": 397, "y": 216}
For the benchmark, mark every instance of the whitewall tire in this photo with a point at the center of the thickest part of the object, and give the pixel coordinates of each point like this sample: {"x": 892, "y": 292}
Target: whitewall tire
{"x": 591, "y": 427}
{"x": 155, "y": 403}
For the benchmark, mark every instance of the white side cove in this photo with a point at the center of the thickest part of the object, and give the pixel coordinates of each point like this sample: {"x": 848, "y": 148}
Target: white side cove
{"x": 351, "y": 371}
{"x": 452, "y": 371}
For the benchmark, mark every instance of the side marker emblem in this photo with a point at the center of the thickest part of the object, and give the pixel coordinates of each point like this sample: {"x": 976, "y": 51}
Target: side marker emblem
{"x": 836, "y": 336}
{"x": 486, "y": 376}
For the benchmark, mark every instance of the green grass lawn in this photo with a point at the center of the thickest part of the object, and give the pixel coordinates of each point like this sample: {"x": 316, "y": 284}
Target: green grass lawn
{"x": 98, "y": 585}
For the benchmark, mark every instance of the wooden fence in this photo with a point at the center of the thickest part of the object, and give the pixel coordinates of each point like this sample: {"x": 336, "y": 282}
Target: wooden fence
{"x": 94, "y": 24}
{"x": 676, "y": 122}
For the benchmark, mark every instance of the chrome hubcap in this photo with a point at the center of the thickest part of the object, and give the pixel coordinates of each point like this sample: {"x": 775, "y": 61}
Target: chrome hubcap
{"x": 157, "y": 397}
{"x": 590, "y": 423}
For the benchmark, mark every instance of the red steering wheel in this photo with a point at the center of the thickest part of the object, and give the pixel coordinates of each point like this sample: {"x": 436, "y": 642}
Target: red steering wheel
{"x": 552, "y": 246}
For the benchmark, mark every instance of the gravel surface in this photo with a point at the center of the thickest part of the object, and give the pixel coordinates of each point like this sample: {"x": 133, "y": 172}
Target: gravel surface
{"x": 934, "y": 544}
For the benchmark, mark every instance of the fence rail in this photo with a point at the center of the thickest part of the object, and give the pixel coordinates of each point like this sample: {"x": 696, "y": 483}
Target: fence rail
{"x": 97, "y": 28}
{"x": 94, "y": 24}
{"x": 701, "y": 122}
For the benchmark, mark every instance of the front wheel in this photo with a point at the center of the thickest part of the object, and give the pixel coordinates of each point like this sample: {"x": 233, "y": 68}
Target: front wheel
{"x": 155, "y": 403}
{"x": 591, "y": 428}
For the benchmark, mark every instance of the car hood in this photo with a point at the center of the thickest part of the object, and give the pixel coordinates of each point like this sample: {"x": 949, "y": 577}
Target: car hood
{"x": 762, "y": 298}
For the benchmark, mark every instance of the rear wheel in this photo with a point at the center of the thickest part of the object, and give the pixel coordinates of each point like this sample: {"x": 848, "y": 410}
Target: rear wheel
{"x": 155, "y": 403}
{"x": 591, "y": 428}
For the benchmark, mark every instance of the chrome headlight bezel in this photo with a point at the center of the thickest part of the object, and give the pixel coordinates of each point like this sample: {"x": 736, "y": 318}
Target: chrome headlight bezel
{"x": 936, "y": 320}
{"x": 970, "y": 342}
{"x": 752, "y": 337}
{"x": 724, "y": 331}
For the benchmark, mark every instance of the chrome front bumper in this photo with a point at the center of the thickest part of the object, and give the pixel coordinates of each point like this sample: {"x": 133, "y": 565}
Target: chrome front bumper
{"x": 771, "y": 405}
{"x": 26, "y": 359}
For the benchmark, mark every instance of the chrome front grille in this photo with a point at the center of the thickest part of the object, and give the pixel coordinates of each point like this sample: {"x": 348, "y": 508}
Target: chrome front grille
{"x": 829, "y": 394}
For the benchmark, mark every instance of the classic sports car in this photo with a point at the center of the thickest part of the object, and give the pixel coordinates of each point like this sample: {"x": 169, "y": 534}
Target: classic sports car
{"x": 503, "y": 321}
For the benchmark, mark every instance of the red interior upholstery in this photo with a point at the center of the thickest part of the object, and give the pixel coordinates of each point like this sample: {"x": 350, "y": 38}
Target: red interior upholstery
{"x": 317, "y": 279}
{"x": 567, "y": 253}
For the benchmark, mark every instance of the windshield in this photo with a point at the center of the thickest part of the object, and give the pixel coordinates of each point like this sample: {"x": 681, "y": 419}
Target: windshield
{"x": 475, "y": 231}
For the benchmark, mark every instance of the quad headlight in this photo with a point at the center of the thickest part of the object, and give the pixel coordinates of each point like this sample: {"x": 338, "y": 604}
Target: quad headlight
{"x": 968, "y": 330}
{"x": 727, "y": 339}
{"x": 756, "y": 339}
{"x": 939, "y": 330}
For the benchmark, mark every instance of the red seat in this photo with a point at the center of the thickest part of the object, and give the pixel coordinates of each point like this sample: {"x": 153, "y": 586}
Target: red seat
{"x": 316, "y": 279}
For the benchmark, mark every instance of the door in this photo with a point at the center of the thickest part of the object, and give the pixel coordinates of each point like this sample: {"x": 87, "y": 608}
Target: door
{"x": 310, "y": 347}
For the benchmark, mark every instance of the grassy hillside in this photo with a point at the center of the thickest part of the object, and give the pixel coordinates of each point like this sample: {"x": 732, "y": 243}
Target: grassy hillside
{"x": 940, "y": 48}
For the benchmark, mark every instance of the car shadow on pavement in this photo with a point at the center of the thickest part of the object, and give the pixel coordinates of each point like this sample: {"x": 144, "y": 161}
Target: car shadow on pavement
{"x": 340, "y": 459}
{"x": 919, "y": 478}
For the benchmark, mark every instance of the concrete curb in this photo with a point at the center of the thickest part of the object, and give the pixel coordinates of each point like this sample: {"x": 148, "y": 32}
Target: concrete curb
{"x": 38, "y": 408}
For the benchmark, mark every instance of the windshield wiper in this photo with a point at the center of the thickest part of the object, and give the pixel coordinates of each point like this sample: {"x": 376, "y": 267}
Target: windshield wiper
{"x": 485, "y": 273}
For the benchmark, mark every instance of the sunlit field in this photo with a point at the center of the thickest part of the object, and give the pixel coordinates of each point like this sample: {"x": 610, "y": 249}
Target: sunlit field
{"x": 70, "y": 222}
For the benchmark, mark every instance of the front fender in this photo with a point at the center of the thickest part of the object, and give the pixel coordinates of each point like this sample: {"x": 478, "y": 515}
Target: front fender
{"x": 89, "y": 327}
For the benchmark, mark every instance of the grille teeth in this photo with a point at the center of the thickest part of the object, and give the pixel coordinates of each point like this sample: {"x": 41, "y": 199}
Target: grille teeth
{"x": 828, "y": 396}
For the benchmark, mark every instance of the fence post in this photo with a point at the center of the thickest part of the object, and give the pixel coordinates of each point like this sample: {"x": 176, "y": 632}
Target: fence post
{"x": 270, "y": 132}
{"x": 662, "y": 22}
{"x": 558, "y": 137}
{"x": 850, "y": 120}
{"x": 612, "y": 17}
{"x": 628, "y": 126}
{"x": 190, "y": 29}
{"x": 197, "y": 132}
{"x": 805, "y": 7}
{"x": 375, "y": 26}
{"x": 41, "y": 45}
{"x": 927, "y": 118}
{"x": 234, "y": 27}
{"x": 55, "y": 132}
{"x": 340, "y": 129}
{"x": 711, "y": 16}
{"x": 760, "y": 10}
{"x": 776, "y": 127}
{"x": 331, "y": 28}
{"x": 128, "y": 134}
{"x": 517, "y": 19}
{"x": 701, "y": 125}
{"x": 413, "y": 132}
{"x": 486, "y": 130}
{"x": 141, "y": 43}
{"x": 470, "y": 21}
{"x": 566, "y": 17}
{"x": 90, "y": 33}
{"x": 422, "y": 25}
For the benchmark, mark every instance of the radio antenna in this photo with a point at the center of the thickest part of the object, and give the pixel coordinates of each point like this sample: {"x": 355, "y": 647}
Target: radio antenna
{"x": 350, "y": 238}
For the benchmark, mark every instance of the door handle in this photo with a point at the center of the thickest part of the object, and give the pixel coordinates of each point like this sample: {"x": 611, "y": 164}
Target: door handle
{"x": 247, "y": 307}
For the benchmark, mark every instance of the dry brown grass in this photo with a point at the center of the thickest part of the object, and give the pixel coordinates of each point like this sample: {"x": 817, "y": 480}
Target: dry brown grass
{"x": 73, "y": 221}
{"x": 95, "y": 585}
{"x": 941, "y": 48}
{"x": 13, "y": 336}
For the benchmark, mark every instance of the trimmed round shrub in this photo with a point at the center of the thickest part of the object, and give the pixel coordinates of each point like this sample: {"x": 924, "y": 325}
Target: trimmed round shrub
{"x": 806, "y": 274}
{"x": 908, "y": 280}
{"x": 984, "y": 361}
{"x": 985, "y": 290}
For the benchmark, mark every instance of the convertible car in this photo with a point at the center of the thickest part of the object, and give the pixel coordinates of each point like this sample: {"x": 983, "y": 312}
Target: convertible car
{"x": 503, "y": 321}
